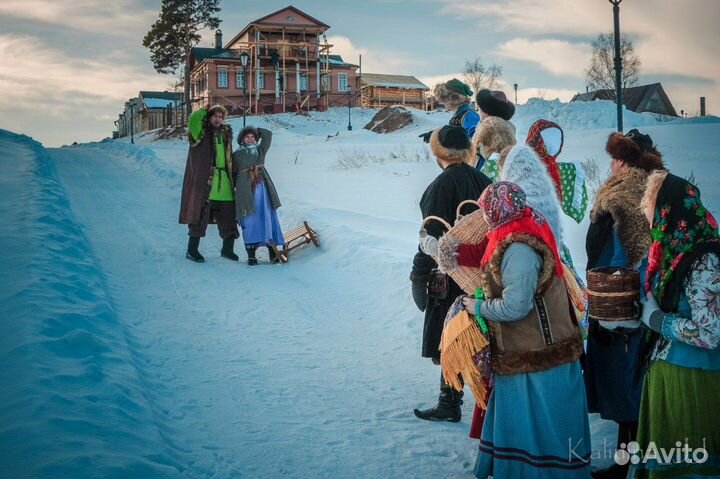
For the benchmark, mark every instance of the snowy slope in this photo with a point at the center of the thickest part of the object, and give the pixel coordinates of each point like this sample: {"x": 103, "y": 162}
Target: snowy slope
{"x": 123, "y": 359}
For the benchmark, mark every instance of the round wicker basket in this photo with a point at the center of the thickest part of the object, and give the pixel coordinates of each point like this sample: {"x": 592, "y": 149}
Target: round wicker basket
{"x": 613, "y": 294}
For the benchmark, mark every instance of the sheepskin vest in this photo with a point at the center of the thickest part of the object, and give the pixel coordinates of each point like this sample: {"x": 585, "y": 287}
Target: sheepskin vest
{"x": 549, "y": 335}
{"x": 617, "y": 203}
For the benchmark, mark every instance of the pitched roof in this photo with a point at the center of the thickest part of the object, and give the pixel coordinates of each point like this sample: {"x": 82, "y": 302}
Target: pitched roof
{"x": 159, "y": 99}
{"x": 201, "y": 54}
{"x": 634, "y": 98}
{"x": 396, "y": 81}
{"x": 263, "y": 21}
{"x": 337, "y": 61}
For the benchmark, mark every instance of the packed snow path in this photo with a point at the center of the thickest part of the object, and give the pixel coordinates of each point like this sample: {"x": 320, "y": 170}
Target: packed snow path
{"x": 303, "y": 370}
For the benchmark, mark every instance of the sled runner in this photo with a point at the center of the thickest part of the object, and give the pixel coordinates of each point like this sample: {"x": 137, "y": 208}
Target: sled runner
{"x": 296, "y": 238}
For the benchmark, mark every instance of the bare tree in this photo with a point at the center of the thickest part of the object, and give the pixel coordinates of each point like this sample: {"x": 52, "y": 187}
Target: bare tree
{"x": 601, "y": 74}
{"x": 479, "y": 77}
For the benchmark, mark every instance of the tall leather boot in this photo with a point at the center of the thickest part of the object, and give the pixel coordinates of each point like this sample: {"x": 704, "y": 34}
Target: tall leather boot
{"x": 250, "y": 249}
{"x": 192, "y": 250}
{"x": 227, "y": 249}
{"x": 447, "y": 407}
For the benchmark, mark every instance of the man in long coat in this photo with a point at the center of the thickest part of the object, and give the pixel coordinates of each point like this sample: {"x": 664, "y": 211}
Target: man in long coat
{"x": 207, "y": 194}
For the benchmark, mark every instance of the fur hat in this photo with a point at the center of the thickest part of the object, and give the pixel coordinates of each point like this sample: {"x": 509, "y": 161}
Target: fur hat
{"x": 248, "y": 130}
{"x": 452, "y": 93}
{"x": 217, "y": 108}
{"x": 494, "y": 134}
{"x": 635, "y": 149}
{"x": 451, "y": 144}
{"x": 495, "y": 103}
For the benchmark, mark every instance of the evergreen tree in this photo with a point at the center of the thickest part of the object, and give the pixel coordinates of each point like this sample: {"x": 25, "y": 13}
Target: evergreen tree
{"x": 174, "y": 34}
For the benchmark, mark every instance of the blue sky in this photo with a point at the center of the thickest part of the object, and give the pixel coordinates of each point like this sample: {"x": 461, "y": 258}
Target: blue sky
{"x": 69, "y": 65}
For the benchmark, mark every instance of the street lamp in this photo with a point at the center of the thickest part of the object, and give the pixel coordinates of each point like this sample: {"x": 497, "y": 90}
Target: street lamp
{"x": 244, "y": 57}
{"x": 349, "y": 102}
{"x": 618, "y": 64}
{"x": 515, "y": 87}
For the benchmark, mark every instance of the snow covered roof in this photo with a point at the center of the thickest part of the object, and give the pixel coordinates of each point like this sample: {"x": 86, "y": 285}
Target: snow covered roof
{"x": 159, "y": 99}
{"x": 393, "y": 81}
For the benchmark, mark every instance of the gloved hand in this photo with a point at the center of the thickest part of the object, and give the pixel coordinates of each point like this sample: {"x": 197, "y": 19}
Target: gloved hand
{"x": 426, "y": 136}
{"x": 428, "y": 244}
{"x": 652, "y": 315}
{"x": 420, "y": 290}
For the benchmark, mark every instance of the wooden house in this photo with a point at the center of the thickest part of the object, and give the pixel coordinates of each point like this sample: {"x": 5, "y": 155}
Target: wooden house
{"x": 378, "y": 91}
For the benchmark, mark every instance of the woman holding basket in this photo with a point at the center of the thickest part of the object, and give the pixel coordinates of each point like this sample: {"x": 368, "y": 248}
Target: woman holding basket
{"x": 619, "y": 236}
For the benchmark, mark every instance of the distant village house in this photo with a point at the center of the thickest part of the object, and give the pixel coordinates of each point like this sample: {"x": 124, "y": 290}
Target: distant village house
{"x": 380, "y": 90}
{"x": 148, "y": 111}
{"x": 647, "y": 98}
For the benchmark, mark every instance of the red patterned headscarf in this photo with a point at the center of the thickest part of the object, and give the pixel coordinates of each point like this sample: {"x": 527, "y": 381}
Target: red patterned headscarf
{"x": 535, "y": 141}
{"x": 507, "y": 213}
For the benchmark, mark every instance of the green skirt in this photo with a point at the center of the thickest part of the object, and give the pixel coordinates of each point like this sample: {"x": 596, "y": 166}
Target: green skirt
{"x": 678, "y": 405}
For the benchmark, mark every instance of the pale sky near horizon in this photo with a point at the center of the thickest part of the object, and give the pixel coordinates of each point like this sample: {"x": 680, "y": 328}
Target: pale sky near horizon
{"x": 68, "y": 66}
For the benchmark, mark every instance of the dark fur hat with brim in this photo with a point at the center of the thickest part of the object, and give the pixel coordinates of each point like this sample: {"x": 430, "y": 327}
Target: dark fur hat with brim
{"x": 495, "y": 103}
{"x": 248, "y": 130}
{"x": 452, "y": 144}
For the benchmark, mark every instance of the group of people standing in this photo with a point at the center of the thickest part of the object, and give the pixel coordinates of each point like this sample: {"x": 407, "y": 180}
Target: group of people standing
{"x": 228, "y": 188}
{"x": 657, "y": 375}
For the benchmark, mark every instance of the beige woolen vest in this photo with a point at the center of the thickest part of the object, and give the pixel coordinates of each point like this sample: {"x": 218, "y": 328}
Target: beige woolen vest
{"x": 549, "y": 335}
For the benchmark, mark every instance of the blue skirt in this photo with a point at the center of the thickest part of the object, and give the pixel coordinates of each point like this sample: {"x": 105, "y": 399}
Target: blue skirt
{"x": 536, "y": 426}
{"x": 262, "y": 226}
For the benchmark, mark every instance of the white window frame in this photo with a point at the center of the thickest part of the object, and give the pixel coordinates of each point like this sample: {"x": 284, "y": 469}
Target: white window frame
{"x": 222, "y": 73}
{"x": 260, "y": 80}
{"x": 341, "y": 87}
{"x": 303, "y": 81}
{"x": 239, "y": 78}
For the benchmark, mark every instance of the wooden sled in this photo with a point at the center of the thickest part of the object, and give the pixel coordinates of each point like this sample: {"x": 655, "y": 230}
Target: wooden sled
{"x": 296, "y": 238}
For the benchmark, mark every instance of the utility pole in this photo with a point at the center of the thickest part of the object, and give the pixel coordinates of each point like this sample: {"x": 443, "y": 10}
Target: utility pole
{"x": 618, "y": 64}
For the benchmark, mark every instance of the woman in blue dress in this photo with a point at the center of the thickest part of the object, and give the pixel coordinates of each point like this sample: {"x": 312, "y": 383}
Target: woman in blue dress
{"x": 536, "y": 425}
{"x": 256, "y": 199}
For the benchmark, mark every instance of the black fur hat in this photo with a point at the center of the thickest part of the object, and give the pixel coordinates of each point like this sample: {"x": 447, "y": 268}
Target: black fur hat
{"x": 495, "y": 103}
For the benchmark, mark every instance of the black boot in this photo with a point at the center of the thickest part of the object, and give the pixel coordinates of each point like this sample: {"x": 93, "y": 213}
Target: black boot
{"x": 250, "y": 249}
{"x": 227, "y": 249}
{"x": 192, "y": 250}
{"x": 447, "y": 407}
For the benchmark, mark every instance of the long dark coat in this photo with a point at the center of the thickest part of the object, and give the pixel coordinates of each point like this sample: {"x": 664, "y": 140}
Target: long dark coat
{"x": 199, "y": 171}
{"x": 246, "y": 166}
{"x": 459, "y": 182}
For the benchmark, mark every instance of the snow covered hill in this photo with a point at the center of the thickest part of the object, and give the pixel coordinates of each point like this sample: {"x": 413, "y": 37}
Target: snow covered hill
{"x": 123, "y": 359}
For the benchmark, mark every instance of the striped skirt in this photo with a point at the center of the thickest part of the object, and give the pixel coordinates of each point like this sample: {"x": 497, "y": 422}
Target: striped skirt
{"x": 536, "y": 426}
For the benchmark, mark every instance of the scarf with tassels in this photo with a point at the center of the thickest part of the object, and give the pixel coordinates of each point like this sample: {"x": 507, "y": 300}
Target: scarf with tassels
{"x": 463, "y": 350}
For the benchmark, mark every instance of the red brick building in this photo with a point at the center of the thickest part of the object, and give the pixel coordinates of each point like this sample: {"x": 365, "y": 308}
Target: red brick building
{"x": 290, "y": 67}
